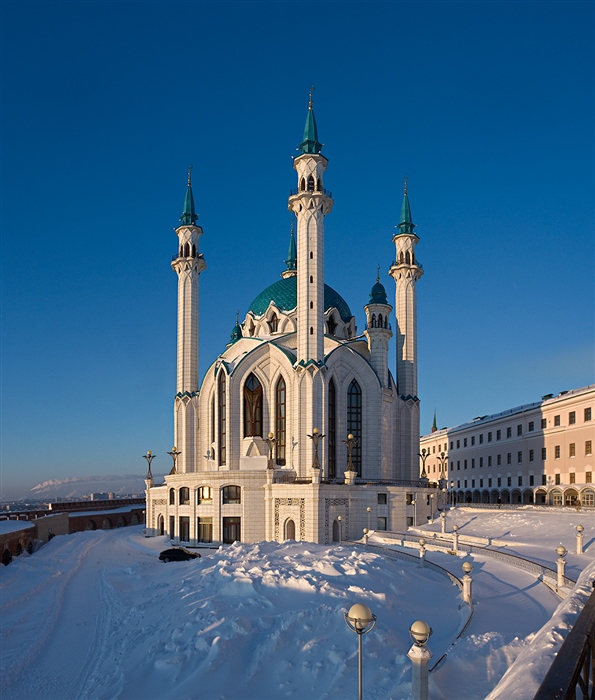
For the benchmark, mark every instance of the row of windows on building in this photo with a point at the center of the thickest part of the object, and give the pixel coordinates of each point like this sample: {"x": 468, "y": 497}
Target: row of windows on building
{"x": 204, "y": 495}
{"x": 519, "y": 456}
{"x": 253, "y": 419}
{"x": 498, "y": 481}
{"x": 519, "y": 429}
{"x": 232, "y": 529}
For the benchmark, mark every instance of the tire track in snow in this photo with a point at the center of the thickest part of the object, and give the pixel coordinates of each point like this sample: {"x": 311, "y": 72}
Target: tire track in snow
{"x": 20, "y": 670}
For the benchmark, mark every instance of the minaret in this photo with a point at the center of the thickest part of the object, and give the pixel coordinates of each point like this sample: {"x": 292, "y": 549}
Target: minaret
{"x": 310, "y": 203}
{"x": 406, "y": 271}
{"x": 378, "y": 330}
{"x": 188, "y": 265}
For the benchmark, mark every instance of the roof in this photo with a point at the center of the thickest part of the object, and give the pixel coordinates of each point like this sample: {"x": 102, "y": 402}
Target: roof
{"x": 284, "y": 294}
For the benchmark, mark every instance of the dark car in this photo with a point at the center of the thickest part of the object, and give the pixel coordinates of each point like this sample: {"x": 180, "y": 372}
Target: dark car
{"x": 178, "y": 554}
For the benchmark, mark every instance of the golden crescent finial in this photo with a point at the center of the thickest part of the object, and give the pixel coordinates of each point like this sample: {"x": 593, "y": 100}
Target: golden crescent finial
{"x": 405, "y": 184}
{"x": 378, "y": 274}
{"x": 189, "y": 174}
{"x": 310, "y": 103}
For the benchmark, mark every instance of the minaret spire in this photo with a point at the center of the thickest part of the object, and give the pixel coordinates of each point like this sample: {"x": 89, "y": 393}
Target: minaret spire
{"x": 291, "y": 261}
{"x": 189, "y": 216}
{"x": 310, "y": 144}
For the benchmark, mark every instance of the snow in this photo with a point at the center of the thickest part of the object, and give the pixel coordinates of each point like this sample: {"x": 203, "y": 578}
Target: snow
{"x": 96, "y": 615}
{"x": 8, "y": 526}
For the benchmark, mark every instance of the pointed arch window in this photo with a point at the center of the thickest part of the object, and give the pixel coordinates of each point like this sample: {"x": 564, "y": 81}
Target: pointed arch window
{"x": 281, "y": 420}
{"x": 331, "y": 324}
{"x": 373, "y": 321}
{"x": 310, "y": 183}
{"x": 401, "y": 258}
{"x": 222, "y": 423}
{"x": 354, "y": 422}
{"x": 193, "y": 250}
{"x": 252, "y": 407}
{"x": 407, "y": 258}
{"x": 273, "y": 323}
{"x": 302, "y": 185}
{"x": 332, "y": 430}
{"x": 172, "y": 497}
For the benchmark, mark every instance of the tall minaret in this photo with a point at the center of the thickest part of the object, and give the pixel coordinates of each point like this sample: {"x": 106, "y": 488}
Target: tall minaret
{"x": 406, "y": 271}
{"x": 310, "y": 203}
{"x": 188, "y": 265}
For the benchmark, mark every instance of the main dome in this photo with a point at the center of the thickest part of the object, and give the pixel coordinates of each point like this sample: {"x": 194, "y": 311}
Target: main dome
{"x": 284, "y": 293}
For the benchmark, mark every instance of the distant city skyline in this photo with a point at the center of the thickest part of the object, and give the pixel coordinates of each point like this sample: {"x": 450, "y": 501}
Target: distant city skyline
{"x": 105, "y": 108}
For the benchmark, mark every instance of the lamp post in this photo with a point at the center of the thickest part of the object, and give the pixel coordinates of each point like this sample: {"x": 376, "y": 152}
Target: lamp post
{"x": 366, "y": 531}
{"x": 419, "y": 654}
{"x": 414, "y": 512}
{"x": 351, "y": 442}
{"x": 432, "y": 511}
{"x": 561, "y": 551}
{"x": 361, "y": 620}
{"x": 340, "y": 519}
{"x": 149, "y": 457}
{"x": 442, "y": 458}
{"x": 424, "y": 454}
{"x": 452, "y": 492}
{"x": 467, "y": 569}
{"x": 579, "y": 539}
{"x": 422, "y": 552}
{"x": 368, "y": 510}
{"x": 316, "y": 437}
{"x": 174, "y": 454}
{"x": 270, "y": 441}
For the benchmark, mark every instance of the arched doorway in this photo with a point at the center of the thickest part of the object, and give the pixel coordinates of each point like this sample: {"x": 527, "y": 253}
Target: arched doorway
{"x": 161, "y": 525}
{"x": 290, "y": 530}
{"x": 335, "y": 531}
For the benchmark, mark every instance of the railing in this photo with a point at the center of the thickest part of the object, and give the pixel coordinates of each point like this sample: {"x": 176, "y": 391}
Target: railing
{"x": 322, "y": 190}
{"x": 572, "y": 671}
{"x": 511, "y": 559}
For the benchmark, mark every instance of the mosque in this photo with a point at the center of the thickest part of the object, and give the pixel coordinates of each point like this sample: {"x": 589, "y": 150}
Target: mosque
{"x": 299, "y": 429}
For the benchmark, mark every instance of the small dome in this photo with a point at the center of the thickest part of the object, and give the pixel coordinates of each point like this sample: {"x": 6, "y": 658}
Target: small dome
{"x": 236, "y": 334}
{"x": 378, "y": 294}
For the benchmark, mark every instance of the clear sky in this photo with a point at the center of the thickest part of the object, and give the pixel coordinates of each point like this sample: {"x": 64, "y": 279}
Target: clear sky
{"x": 487, "y": 106}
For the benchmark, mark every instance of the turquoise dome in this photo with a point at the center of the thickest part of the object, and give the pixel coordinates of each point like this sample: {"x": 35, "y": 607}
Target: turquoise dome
{"x": 378, "y": 294}
{"x": 284, "y": 293}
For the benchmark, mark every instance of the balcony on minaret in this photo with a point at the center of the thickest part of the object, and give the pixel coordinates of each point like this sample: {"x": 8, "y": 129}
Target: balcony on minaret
{"x": 318, "y": 190}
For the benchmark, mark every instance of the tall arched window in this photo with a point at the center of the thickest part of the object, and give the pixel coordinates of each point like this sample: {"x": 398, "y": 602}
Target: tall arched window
{"x": 354, "y": 422}
{"x": 252, "y": 407}
{"x": 212, "y": 422}
{"x": 280, "y": 420}
{"x": 172, "y": 497}
{"x": 184, "y": 496}
{"x": 332, "y": 430}
{"x": 222, "y": 418}
{"x": 310, "y": 183}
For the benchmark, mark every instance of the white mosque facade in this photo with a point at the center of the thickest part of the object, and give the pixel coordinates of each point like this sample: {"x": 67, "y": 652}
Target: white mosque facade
{"x": 299, "y": 429}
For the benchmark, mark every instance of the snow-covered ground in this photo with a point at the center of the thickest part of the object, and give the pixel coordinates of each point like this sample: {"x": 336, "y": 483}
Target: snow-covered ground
{"x": 96, "y": 615}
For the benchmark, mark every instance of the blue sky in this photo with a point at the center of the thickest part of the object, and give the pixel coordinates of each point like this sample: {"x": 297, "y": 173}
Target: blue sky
{"x": 488, "y": 106}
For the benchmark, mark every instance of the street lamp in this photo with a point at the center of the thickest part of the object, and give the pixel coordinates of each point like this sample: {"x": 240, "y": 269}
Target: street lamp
{"x": 419, "y": 654}
{"x": 414, "y": 512}
{"x": 316, "y": 437}
{"x": 432, "y": 497}
{"x": 351, "y": 442}
{"x": 174, "y": 454}
{"x": 360, "y": 620}
{"x": 340, "y": 519}
{"x": 270, "y": 441}
{"x": 369, "y": 510}
{"x": 452, "y": 492}
{"x": 442, "y": 458}
{"x": 424, "y": 454}
{"x": 149, "y": 457}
